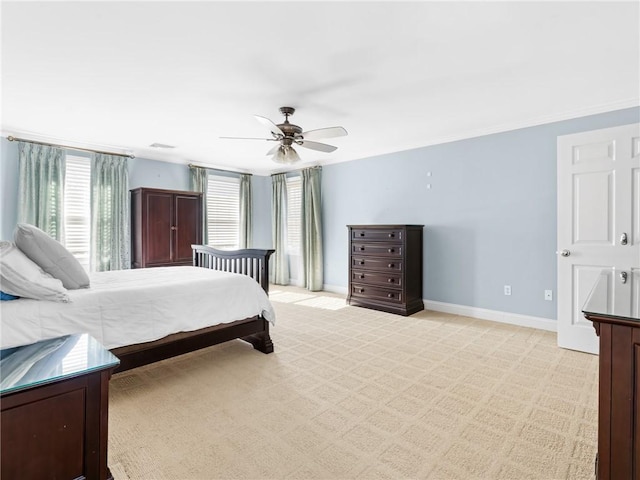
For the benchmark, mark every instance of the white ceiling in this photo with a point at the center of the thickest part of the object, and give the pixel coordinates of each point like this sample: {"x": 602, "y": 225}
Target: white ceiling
{"x": 123, "y": 75}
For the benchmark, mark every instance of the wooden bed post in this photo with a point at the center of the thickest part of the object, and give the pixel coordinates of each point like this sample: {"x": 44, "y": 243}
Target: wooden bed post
{"x": 261, "y": 341}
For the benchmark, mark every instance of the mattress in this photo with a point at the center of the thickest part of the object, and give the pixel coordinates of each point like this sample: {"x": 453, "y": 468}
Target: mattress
{"x": 126, "y": 307}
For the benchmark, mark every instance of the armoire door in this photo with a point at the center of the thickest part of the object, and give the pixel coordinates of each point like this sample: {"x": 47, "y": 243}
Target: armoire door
{"x": 187, "y": 227}
{"x": 158, "y": 222}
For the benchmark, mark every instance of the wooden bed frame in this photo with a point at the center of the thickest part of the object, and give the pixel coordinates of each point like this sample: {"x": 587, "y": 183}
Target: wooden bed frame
{"x": 255, "y": 330}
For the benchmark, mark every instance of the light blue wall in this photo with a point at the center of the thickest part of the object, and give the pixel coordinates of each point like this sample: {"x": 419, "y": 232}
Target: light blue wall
{"x": 9, "y": 186}
{"x": 155, "y": 174}
{"x": 262, "y": 212}
{"x": 490, "y": 215}
{"x": 142, "y": 173}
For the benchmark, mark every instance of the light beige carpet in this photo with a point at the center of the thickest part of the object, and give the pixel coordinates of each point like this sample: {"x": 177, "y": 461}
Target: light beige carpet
{"x": 355, "y": 393}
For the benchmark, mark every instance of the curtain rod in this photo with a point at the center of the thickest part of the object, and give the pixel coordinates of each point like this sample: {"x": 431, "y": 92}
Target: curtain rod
{"x": 14, "y": 139}
{"x": 218, "y": 169}
{"x": 298, "y": 170}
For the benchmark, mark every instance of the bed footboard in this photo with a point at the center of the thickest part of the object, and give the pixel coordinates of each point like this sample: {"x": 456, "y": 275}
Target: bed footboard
{"x": 254, "y": 330}
{"x": 251, "y": 262}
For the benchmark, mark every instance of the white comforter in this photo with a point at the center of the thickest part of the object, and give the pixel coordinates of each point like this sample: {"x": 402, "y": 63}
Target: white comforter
{"x": 134, "y": 306}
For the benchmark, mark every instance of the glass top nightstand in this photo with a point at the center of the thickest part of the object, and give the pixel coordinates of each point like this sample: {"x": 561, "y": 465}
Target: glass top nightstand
{"x": 54, "y": 409}
{"x": 52, "y": 360}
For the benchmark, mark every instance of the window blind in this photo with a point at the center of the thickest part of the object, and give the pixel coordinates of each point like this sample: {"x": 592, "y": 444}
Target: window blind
{"x": 223, "y": 212}
{"x": 77, "y": 210}
{"x": 294, "y": 205}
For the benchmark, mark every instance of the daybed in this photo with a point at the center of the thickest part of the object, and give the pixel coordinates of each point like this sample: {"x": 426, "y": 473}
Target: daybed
{"x": 146, "y": 315}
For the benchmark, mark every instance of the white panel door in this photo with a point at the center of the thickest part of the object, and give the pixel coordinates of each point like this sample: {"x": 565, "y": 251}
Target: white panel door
{"x": 598, "y": 221}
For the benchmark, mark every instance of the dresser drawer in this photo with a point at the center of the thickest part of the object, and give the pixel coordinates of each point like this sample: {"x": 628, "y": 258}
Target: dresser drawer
{"x": 376, "y": 263}
{"x": 377, "y": 278}
{"x": 378, "y": 249}
{"x": 378, "y": 235}
{"x": 376, "y": 293}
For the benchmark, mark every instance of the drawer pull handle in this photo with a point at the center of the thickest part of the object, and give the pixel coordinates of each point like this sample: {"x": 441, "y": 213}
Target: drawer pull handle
{"x": 391, "y": 265}
{"x": 391, "y": 280}
{"x": 362, "y": 234}
{"x": 390, "y": 295}
{"x": 361, "y": 276}
{"x": 362, "y": 290}
{"x": 391, "y": 235}
{"x": 361, "y": 262}
{"x": 362, "y": 249}
{"x": 392, "y": 250}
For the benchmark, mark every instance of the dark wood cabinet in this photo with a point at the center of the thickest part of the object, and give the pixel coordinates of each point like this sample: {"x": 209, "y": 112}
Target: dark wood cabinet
{"x": 164, "y": 225}
{"x": 614, "y": 308}
{"x": 385, "y": 267}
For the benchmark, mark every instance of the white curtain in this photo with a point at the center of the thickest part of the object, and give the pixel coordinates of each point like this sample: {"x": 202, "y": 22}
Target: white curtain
{"x": 246, "y": 215}
{"x": 279, "y": 269}
{"x": 41, "y": 187}
{"x": 110, "y": 224}
{"x": 311, "y": 235}
{"x": 200, "y": 183}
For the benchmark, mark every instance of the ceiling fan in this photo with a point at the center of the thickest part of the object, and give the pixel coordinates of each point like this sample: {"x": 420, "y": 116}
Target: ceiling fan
{"x": 287, "y": 134}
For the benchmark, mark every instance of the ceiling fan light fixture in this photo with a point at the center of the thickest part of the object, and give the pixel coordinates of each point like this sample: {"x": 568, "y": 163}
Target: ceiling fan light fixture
{"x": 288, "y": 134}
{"x": 286, "y": 155}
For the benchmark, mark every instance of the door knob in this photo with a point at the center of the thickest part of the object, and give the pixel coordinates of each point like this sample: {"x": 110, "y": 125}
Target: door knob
{"x": 564, "y": 253}
{"x": 623, "y": 277}
{"x": 623, "y": 239}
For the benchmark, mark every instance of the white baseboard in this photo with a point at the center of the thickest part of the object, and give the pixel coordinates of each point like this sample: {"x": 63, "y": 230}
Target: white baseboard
{"x": 493, "y": 315}
{"x": 335, "y": 289}
{"x": 475, "y": 312}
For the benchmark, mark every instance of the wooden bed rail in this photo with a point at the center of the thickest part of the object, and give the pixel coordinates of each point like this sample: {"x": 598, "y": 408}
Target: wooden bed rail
{"x": 251, "y": 262}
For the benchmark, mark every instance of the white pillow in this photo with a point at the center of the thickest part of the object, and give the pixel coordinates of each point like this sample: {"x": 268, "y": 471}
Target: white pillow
{"x": 51, "y": 256}
{"x": 22, "y": 277}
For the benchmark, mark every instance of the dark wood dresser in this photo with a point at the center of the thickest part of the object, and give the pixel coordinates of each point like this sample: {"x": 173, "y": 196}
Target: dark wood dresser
{"x": 385, "y": 267}
{"x": 54, "y": 409}
{"x": 613, "y": 307}
{"x": 164, "y": 225}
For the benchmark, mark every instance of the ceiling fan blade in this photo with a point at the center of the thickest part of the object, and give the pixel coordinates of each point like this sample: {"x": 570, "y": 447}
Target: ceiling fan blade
{"x": 322, "y": 147}
{"x": 249, "y": 138}
{"x": 273, "y": 150}
{"x": 329, "y": 132}
{"x": 273, "y": 128}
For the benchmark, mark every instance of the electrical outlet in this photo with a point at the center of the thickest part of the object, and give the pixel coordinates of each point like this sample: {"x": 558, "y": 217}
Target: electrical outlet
{"x": 548, "y": 295}
{"x": 507, "y": 289}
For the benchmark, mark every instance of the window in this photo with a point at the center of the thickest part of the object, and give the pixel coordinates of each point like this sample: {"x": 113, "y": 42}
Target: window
{"x": 77, "y": 209}
{"x": 223, "y": 212}
{"x": 294, "y": 205}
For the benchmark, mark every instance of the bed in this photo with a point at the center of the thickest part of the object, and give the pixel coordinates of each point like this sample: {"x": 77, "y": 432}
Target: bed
{"x": 147, "y": 315}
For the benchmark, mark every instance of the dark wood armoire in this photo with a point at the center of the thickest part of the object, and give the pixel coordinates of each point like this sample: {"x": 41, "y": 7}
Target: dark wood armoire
{"x": 164, "y": 225}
